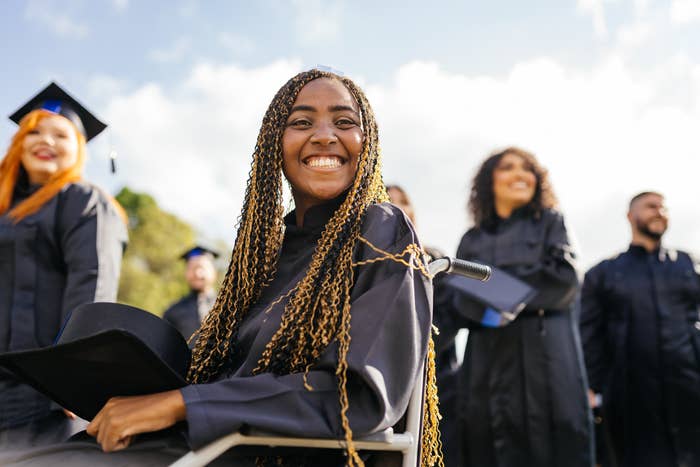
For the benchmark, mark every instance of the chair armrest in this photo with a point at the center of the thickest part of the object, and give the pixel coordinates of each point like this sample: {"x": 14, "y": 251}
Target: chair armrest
{"x": 385, "y": 440}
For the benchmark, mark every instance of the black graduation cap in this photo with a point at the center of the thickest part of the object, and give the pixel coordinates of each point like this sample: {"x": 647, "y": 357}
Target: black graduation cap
{"x": 198, "y": 250}
{"x": 494, "y": 303}
{"x": 104, "y": 350}
{"x": 54, "y": 99}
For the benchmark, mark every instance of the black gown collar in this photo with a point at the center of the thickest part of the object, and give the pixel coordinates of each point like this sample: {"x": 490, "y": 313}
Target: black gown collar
{"x": 497, "y": 223}
{"x": 660, "y": 253}
{"x": 23, "y": 188}
{"x": 316, "y": 217}
{"x": 641, "y": 251}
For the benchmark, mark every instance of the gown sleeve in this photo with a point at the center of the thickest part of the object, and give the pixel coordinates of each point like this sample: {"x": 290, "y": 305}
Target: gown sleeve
{"x": 92, "y": 238}
{"x": 552, "y": 272}
{"x": 592, "y": 327}
{"x": 554, "y": 275}
{"x": 390, "y": 327}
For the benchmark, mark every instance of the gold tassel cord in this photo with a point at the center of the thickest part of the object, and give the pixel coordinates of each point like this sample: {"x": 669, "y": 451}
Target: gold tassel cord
{"x": 431, "y": 444}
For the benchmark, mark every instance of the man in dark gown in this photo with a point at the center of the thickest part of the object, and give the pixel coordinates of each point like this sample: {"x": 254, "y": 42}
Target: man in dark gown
{"x": 188, "y": 313}
{"x": 640, "y": 327}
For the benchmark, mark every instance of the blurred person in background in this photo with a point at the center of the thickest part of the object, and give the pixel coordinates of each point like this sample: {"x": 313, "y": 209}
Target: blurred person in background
{"x": 445, "y": 349}
{"x": 188, "y": 313}
{"x": 640, "y": 328}
{"x": 399, "y": 197}
{"x": 61, "y": 243}
{"x": 523, "y": 385}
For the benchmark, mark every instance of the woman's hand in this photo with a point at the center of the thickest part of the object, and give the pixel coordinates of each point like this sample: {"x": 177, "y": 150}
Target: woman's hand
{"x": 123, "y": 417}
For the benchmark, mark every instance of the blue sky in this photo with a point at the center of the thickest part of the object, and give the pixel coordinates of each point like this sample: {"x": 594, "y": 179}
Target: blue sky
{"x": 606, "y": 92}
{"x": 124, "y": 38}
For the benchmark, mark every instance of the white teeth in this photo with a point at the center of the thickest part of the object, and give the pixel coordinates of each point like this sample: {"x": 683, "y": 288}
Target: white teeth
{"x": 324, "y": 162}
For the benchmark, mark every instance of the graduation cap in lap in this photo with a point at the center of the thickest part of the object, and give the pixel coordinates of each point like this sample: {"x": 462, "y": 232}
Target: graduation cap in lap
{"x": 104, "y": 350}
{"x": 498, "y": 300}
{"x": 55, "y": 99}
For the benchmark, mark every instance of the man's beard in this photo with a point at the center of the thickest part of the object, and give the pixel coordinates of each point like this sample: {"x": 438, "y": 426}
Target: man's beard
{"x": 647, "y": 232}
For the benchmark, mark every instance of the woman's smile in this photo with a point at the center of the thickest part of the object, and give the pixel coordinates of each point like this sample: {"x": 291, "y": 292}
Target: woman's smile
{"x": 44, "y": 153}
{"x": 324, "y": 162}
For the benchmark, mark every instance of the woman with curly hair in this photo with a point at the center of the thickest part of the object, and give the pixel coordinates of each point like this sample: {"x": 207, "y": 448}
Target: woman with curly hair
{"x": 523, "y": 385}
{"x": 324, "y": 316}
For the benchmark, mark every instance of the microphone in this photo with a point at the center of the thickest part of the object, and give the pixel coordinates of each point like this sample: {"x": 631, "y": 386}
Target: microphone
{"x": 468, "y": 269}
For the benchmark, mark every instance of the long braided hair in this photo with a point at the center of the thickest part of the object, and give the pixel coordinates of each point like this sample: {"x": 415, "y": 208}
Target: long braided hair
{"x": 318, "y": 310}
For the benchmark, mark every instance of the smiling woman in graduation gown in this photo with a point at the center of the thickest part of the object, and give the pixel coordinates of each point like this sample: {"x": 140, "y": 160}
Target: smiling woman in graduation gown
{"x": 389, "y": 332}
{"x": 523, "y": 385}
{"x": 61, "y": 241}
{"x": 324, "y": 316}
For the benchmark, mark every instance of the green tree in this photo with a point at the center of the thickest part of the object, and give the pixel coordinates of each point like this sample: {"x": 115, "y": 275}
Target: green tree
{"x": 152, "y": 275}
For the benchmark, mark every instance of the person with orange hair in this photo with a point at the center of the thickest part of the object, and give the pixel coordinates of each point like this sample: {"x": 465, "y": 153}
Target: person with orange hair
{"x": 61, "y": 243}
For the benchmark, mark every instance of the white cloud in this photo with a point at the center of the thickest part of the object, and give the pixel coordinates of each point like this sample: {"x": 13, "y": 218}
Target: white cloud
{"x": 642, "y": 29}
{"x": 605, "y": 133}
{"x": 52, "y": 15}
{"x": 317, "y": 20}
{"x": 172, "y": 54}
{"x": 596, "y": 9}
{"x": 634, "y": 34}
{"x": 120, "y": 5}
{"x": 685, "y": 11}
{"x": 191, "y": 146}
{"x": 641, "y": 7}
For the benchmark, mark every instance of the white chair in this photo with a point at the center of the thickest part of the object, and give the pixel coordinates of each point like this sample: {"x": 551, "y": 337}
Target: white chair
{"x": 407, "y": 442}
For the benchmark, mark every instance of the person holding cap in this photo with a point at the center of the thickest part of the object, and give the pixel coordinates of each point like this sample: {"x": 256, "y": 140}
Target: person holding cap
{"x": 188, "y": 313}
{"x": 323, "y": 319}
{"x": 61, "y": 243}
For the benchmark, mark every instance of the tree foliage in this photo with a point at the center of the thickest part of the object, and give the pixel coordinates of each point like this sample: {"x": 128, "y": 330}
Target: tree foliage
{"x": 152, "y": 276}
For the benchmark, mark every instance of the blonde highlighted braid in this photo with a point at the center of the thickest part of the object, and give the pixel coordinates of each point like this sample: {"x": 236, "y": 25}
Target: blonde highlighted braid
{"x": 318, "y": 310}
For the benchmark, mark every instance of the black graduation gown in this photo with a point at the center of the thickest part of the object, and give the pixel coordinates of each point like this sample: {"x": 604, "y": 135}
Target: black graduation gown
{"x": 184, "y": 315}
{"x": 523, "y": 386}
{"x": 640, "y": 325}
{"x": 66, "y": 254}
{"x": 390, "y": 327}
{"x": 447, "y": 371}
